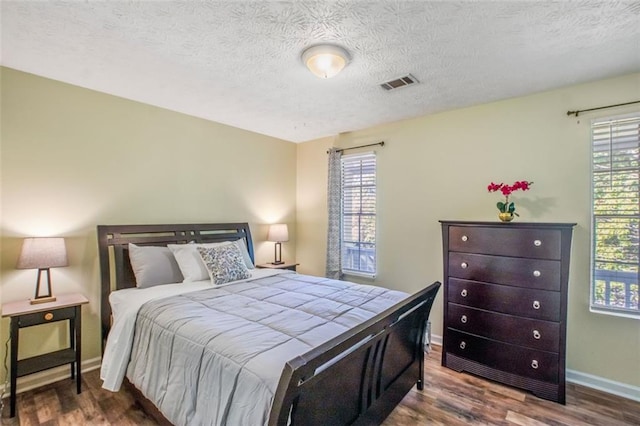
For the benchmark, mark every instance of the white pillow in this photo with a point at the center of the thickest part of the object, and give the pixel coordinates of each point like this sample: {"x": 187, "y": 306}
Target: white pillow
{"x": 191, "y": 264}
{"x": 224, "y": 263}
{"x": 153, "y": 265}
{"x": 245, "y": 253}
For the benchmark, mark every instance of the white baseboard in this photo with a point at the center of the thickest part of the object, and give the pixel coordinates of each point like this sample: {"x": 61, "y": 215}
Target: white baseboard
{"x": 605, "y": 385}
{"x": 588, "y": 380}
{"x": 51, "y": 375}
{"x": 436, "y": 340}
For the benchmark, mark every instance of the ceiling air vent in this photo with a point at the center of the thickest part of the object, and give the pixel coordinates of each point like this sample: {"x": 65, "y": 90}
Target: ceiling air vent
{"x": 399, "y": 82}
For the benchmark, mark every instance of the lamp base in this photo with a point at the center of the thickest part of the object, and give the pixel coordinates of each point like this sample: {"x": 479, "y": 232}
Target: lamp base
{"x": 45, "y": 299}
{"x": 278, "y": 262}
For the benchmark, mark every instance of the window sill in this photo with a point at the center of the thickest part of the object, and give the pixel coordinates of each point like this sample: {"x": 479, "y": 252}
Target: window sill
{"x": 615, "y": 313}
{"x": 359, "y": 274}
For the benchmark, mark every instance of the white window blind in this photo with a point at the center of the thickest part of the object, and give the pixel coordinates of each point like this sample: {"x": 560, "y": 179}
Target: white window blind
{"x": 359, "y": 214}
{"x": 615, "y": 215}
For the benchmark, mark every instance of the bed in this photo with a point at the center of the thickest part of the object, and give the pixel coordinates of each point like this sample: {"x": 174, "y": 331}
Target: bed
{"x": 357, "y": 374}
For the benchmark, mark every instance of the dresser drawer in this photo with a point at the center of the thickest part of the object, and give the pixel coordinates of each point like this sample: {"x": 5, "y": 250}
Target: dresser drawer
{"x": 521, "y": 242}
{"x": 519, "y": 272}
{"x": 539, "y": 304}
{"x": 535, "y": 334}
{"x": 539, "y": 365}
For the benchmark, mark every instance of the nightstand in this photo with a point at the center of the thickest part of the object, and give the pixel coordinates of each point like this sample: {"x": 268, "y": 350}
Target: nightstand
{"x": 289, "y": 266}
{"x": 23, "y": 314}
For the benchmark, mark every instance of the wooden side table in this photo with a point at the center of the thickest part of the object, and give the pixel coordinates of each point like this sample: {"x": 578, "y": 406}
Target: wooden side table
{"x": 23, "y": 314}
{"x": 289, "y": 266}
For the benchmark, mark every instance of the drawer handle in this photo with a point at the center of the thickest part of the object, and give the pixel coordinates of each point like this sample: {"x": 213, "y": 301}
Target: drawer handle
{"x": 536, "y": 334}
{"x": 537, "y": 243}
{"x": 464, "y": 238}
{"x": 536, "y": 273}
{"x": 463, "y": 293}
{"x": 534, "y": 364}
{"x": 48, "y": 316}
{"x": 536, "y": 304}
{"x": 463, "y": 319}
{"x": 464, "y": 265}
{"x": 463, "y": 345}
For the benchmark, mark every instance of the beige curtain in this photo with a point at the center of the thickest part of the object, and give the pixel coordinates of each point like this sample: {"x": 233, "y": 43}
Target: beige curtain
{"x": 334, "y": 201}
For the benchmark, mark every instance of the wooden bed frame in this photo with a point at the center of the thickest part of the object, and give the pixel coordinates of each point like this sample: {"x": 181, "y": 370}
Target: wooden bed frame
{"x": 356, "y": 378}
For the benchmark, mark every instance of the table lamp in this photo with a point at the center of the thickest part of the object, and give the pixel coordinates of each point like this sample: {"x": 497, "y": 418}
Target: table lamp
{"x": 278, "y": 233}
{"x": 42, "y": 254}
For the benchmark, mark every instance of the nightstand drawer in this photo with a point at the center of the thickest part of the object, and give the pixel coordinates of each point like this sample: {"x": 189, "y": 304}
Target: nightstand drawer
{"x": 525, "y": 362}
{"x": 524, "y": 302}
{"x": 47, "y": 316}
{"x": 534, "y": 243}
{"x": 528, "y": 273}
{"x": 535, "y": 334}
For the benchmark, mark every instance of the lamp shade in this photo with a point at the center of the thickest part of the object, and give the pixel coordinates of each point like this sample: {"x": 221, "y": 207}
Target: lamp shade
{"x": 42, "y": 253}
{"x": 278, "y": 232}
{"x": 325, "y": 60}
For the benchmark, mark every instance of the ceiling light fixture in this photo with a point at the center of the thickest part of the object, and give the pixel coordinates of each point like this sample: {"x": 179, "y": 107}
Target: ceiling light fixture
{"x": 325, "y": 60}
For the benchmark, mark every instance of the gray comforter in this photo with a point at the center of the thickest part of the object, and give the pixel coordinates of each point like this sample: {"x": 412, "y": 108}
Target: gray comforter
{"x": 214, "y": 357}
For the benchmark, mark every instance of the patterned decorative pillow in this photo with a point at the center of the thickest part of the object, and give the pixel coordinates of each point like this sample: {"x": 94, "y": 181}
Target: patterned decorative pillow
{"x": 190, "y": 261}
{"x": 224, "y": 263}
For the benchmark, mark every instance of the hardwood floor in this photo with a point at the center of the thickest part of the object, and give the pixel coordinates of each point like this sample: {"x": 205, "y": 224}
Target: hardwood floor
{"x": 449, "y": 398}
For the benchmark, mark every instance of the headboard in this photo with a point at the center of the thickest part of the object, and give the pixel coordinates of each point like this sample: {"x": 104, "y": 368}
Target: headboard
{"x": 115, "y": 267}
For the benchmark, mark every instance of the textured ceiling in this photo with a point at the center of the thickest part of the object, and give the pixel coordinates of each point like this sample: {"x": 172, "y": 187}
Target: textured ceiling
{"x": 238, "y": 62}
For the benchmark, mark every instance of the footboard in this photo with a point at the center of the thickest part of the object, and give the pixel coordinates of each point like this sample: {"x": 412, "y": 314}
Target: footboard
{"x": 360, "y": 376}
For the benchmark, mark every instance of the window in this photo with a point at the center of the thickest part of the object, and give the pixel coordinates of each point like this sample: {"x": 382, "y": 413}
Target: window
{"x": 359, "y": 214}
{"x": 615, "y": 215}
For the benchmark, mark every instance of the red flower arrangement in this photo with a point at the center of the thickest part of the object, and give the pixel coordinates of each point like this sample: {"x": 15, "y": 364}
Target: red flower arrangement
{"x": 507, "y": 206}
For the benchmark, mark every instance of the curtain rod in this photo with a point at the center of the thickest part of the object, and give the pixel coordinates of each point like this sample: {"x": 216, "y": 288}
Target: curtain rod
{"x": 361, "y": 146}
{"x": 602, "y": 107}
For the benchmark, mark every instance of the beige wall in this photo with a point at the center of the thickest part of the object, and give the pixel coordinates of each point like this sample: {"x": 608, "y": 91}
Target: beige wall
{"x": 311, "y": 212}
{"x": 72, "y": 158}
{"x": 438, "y": 167}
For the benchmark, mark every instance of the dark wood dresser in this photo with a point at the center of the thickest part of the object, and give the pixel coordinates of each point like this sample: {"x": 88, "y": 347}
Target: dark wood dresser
{"x": 505, "y": 302}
